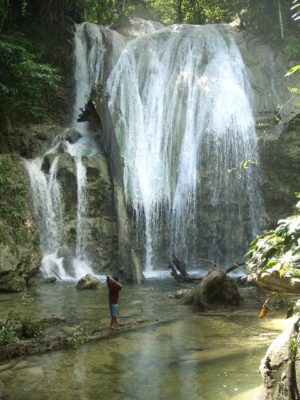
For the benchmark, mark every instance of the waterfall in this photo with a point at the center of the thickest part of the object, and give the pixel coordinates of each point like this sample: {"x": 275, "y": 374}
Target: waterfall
{"x": 89, "y": 59}
{"x": 182, "y": 106}
{"x": 48, "y": 205}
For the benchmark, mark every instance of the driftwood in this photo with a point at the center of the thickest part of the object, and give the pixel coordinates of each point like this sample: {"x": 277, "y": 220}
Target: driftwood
{"x": 179, "y": 272}
{"x": 275, "y": 283}
{"x": 215, "y": 287}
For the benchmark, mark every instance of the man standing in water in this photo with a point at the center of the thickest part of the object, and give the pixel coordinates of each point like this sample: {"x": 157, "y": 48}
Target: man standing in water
{"x": 114, "y": 289}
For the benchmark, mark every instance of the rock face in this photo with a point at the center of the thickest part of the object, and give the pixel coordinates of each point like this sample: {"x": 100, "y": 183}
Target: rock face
{"x": 280, "y": 367}
{"x": 280, "y": 160}
{"x": 99, "y": 223}
{"x": 277, "y": 116}
{"x": 101, "y": 238}
{"x": 88, "y": 282}
{"x": 20, "y": 254}
{"x": 29, "y": 143}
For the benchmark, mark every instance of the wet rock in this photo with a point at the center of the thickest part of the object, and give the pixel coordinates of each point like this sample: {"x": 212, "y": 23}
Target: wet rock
{"x": 29, "y": 142}
{"x": 71, "y": 135}
{"x": 63, "y": 147}
{"x": 278, "y": 132}
{"x": 280, "y": 368}
{"x": 51, "y": 279}
{"x": 88, "y": 282}
{"x": 2, "y": 390}
{"x": 12, "y": 282}
{"x": 182, "y": 293}
{"x": 68, "y": 258}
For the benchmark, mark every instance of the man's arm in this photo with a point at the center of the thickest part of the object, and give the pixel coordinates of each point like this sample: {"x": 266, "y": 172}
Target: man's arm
{"x": 110, "y": 279}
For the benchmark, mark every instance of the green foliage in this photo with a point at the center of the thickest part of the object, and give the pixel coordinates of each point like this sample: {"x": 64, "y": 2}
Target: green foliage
{"x": 238, "y": 170}
{"x": 13, "y": 191}
{"x": 294, "y": 309}
{"x": 26, "y": 299}
{"x": 292, "y": 47}
{"x": 296, "y": 10}
{"x": 31, "y": 328}
{"x": 209, "y": 11}
{"x": 293, "y": 348}
{"x": 294, "y": 69}
{"x": 103, "y": 14}
{"x": 17, "y": 327}
{"x": 277, "y": 251}
{"x": 8, "y": 329}
{"x": 166, "y": 11}
{"x": 26, "y": 84}
{"x": 78, "y": 337}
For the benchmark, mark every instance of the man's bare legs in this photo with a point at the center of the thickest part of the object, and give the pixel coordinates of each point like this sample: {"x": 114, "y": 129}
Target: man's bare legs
{"x": 114, "y": 323}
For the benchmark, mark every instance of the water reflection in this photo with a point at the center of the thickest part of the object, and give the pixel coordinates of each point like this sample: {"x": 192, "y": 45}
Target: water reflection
{"x": 188, "y": 356}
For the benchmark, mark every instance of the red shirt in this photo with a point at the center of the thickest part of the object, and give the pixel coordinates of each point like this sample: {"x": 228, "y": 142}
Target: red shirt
{"x": 114, "y": 290}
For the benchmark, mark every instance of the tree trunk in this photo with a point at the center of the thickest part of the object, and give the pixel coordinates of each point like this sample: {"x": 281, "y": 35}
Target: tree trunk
{"x": 179, "y": 11}
{"x": 216, "y": 287}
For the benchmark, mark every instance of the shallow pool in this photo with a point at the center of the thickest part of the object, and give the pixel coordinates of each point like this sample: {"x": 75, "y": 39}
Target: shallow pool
{"x": 184, "y": 356}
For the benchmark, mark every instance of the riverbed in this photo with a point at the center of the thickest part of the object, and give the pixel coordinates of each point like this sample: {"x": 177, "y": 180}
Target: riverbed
{"x": 182, "y": 355}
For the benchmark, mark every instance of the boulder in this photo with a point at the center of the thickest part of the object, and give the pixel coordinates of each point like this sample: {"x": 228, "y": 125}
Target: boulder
{"x": 71, "y": 135}
{"x": 280, "y": 367}
{"x": 88, "y": 282}
{"x": 51, "y": 279}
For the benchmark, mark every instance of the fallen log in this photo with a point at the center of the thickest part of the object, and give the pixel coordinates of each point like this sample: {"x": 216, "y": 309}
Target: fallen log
{"x": 39, "y": 346}
{"x": 180, "y": 266}
{"x": 179, "y": 271}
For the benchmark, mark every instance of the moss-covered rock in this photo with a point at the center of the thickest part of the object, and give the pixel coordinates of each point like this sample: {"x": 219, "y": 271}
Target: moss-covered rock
{"x": 88, "y": 282}
{"x": 19, "y": 249}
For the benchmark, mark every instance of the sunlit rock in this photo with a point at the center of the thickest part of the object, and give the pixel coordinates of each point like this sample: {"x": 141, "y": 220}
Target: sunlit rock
{"x": 88, "y": 282}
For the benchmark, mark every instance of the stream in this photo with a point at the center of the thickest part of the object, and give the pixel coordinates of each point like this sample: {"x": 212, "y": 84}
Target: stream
{"x": 185, "y": 355}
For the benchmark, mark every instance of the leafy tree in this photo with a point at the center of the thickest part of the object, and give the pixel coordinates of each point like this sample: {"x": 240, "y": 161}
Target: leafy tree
{"x": 26, "y": 84}
{"x": 277, "y": 252}
{"x": 296, "y": 9}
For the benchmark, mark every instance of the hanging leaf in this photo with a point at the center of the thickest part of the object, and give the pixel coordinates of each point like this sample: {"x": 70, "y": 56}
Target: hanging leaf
{"x": 293, "y": 70}
{"x": 263, "y": 310}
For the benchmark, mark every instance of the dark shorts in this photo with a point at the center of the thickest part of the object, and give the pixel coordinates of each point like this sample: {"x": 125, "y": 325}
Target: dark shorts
{"x": 113, "y": 308}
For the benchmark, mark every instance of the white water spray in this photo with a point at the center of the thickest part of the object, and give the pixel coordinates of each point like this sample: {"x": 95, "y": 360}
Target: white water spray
{"x": 181, "y": 105}
{"x": 181, "y": 102}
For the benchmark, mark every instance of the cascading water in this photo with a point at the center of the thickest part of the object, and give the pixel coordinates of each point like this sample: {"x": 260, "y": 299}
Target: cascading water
{"x": 181, "y": 103}
{"x": 49, "y": 204}
{"x": 89, "y": 58}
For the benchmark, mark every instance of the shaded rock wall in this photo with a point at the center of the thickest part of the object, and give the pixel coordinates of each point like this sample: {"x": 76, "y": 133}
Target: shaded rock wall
{"x": 100, "y": 230}
{"x": 20, "y": 254}
{"x": 277, "y": 115}
{"x": 280, "y": 160}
